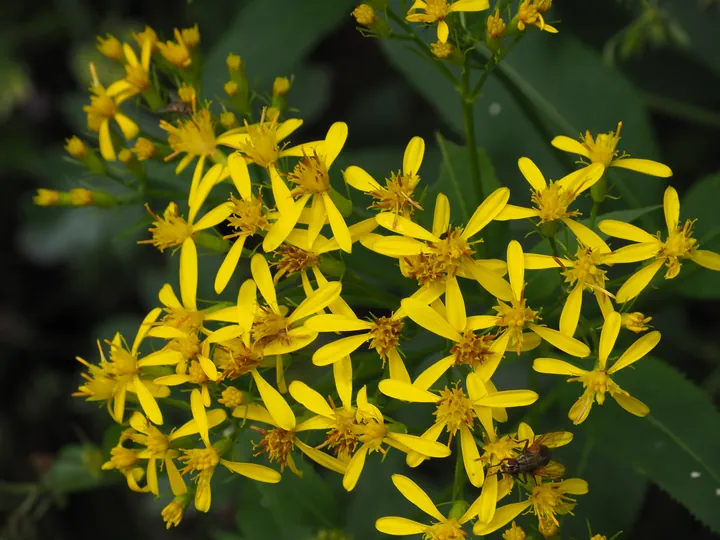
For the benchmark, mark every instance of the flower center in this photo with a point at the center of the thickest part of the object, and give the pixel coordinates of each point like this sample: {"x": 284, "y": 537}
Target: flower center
{"x": 170, "y": 230}
{"x": 101, "y": 105}
{"x": 311, "y": 176}
{"x": 194, "y": 136}
{"x": 447, "y": 530}
{"x": 261, "y": 145}
{"x": 137, "y": 77}
{"x": 437, "y": 9}
{"x": 196, "y": 373}
{"x": 294, "y": 260}
{"x": 527, "y": 13}
{"x": 123, "y": 458}
{"x": 156, "y": 441}
{"x": 373, "y": 434}
{"x": 585, "y": 269}
{"x": 396, "y": 196}
{"x": 276, "y": 443}
{"x": 553, "y": 201}
{"x": 342, "y": 438}
{"x": 503, "y": 448}
{"x": 200, "y": 459}
{"x": 123, "y": 361}
{"x": 247, "y": 217}
{"x": 454, "y": 409}
{"x": 515, "y": 318}
{"x": 473, "y": 349}
{"x": 679, "y": 245}
{"x": 269, "y": 326}
{"x": 385, "y": 335}
{"x": 548, "y": 500}
{"x": 188, "y": 346}
{"x": 442, "y": 259}
{"x": 235, "y": 359}
{"x": 231, "y": 397}
{"x": 603, "y": 148}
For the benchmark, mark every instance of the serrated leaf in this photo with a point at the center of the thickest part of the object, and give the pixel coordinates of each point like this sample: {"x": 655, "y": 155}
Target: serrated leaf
{"x": 676, "y": 446}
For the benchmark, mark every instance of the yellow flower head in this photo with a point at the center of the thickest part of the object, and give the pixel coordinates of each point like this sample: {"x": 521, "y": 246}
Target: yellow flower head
{"x": 76, "y": 147}
{"x": 231, "y": 88}
{"x": 442, "y": 50}
{"x": 148, "y": 34}
{"x": 437, "y": 11}
{"x": 281, "y": 86}
{"x": 495, "y": 25}
{"x": 234, "y": 62}
{"x": 364, "y": 15}
{"x": 168, "y": 230}
{"x": 137, "y": 72}
{"x": 514, "y": 533}
{"x": 176, "y": 52}
{"x": 228, "y": 120}
{"x": 231, "y": 397}
{"x": 111, "y": 47}
{"x": 636, "y": 322}
{"x": 193, "y": 137}
{"x": 144, "y": 149}
{"x": 603, "y": 149}
{"x": 47, "y": 197}
{"x": 530, "y": 13}
{"x": 173, "y": 513}
{"x": 191, "y": 36}
{"x": 599, "y": 382}
{"x": 80, "y": 197}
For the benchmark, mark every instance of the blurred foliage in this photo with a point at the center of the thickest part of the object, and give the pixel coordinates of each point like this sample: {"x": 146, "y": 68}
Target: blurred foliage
{"x": 74, "y": 276}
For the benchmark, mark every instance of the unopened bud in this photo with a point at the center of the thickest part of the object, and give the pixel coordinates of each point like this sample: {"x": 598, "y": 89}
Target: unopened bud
{"x": 364, "y": 15}
{"x": 514, "y": 533}
{"x": 231, "y": 397}
{"x": 228, "y": 120}
{"x": 635, "y": 322}
{"x": 191, "y": 36}
{"x": 144, "y": 149}
{"x": 231, "y": 88}
{"x": 234, "y": 63}
{"x": 111, "y": 47}
{"x": 47, "y": 197}
{"x": 76, "y": 147}
{"x": 281, "y": 86}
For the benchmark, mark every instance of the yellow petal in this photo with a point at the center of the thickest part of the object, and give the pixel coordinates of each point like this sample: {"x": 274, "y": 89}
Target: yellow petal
{"x": 275, "y": 403}
{"x": 205, "y": 185}
{"x": 172, "y": 380}
{"x": 491, "y": 282}
{"x": 152, "y": 479}
{"x": 632, "y": 405}
{"x": 288, "y": 127}
{"x": 404, "y": 226}
{"x": 571, "y": 312}
{"x": 516, "y": 268}
{"x": 203, "y": 494}
{"x": 512, "y": 212}
{"x": 636, "y": 351}
{"x": 167, "y": 297}
{"x": 360, "y": 179}
{"x": 470, "y": 5}
{"x": 455, "y": 309}
{"x": 147, "y": 401}
{"x": 565, "y": 343}
{"x": 471, "y": 457}
{"x": 229, "y": 264}
{"x": 708, "y": 259}
{"x": 551, "y": 366}
{"x": 208, "y": 367}
{"x": 118, "y": 410}
{"x": 177, "y": 484}
{"x": 199, "y": 415}
{"x": 536, "y": 261}
{"x": 226, "y": 333}
{"x": 336, "y": 323}
{"x": 263, "y": 279}
{"x": 214, "y": 417}
{"x": 638, "y": 281}
{"x": 355, "y": 467}
{"x": 634, "y": 253}
{"x": 281, "y": 193}
{"x": 566, "y": 144}
{"x": 342, "y": 374}
{"x": 213, "y": 217}
{"x": 144, "y": 328}
{"x": 502, "y": 516}
{"x": 297, "y": 338}
{"x": 188, "y": 274}
{"x": 194, "y": 184}
{"x": 608, "y": 337}
{"x": 626, "y": 231}
{"x": 532, "y": 174}
{"x": 671, "y": 207}
{"x": 240, "y": 174}
{"x": 396, "y": 246}
{"x": 508, "y": 398}
{"x": 481, "y": 322}
{"x": 441, "y": 215}
{"x": 413, "y": 157}
{"x": 645, "y": 166}
{"x": 337, "y": 224}
{"x": 421, "y": 445}
{"x": 396, "y": 367}
{"x": 487, "y": 211}
{"x": 310, "y": 399}
{"x": 315, "y": 302}
{"x": 246, "y": 305}
{"x": 488, "y": 499}
{"x": 334, "y": 142}
{"x": 335, "y": 350}
{"x": 429, "y": 319}
{"x": 430, "y": 375}
{"x": 128, "y": 127}
{"x": 256, "y": 472}
{"x": 321, "y": 458}
{"x": 161, "y": 358}
{"x": 414, "y": 493}
{"x": 399, "y": 526}
{"x": 282, "y": 227}
{"x": 583, "y": 179}
{"x": 406, "y": 392}
{"x": 443, "y": 31}
{"x": 586, "y": 235}
{"x": 316, "y": 220}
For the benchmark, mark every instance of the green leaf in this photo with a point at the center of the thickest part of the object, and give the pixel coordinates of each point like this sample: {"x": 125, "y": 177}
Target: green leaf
{"x": 272, "y": 37}
{"x": 676, "y": 446}
{"x": 77, "y": 468}
{"x": 700, "y": 203}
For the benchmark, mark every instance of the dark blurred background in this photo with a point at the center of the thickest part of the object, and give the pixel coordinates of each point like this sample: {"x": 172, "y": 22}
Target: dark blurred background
{"x": 69, "y": 277}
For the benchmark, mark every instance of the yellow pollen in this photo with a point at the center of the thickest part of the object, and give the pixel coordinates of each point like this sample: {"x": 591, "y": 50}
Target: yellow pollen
{"x": 454, "y": 409}
{"x": 123, "y": 458}
{"x": 156, "y": 441}
{"x": 247, "y": 216}
{"x": 447, "y": 530}
{"x": 473, "y": 349}
{"x": 373, "y": 434}
{"x": 553, "y": 201}
{"x": 277, "y": 444}
{"x": 585, "y": 269}
{"x": 437, "y": 10}
{"x": 503, "y": 448}
{"x": 397, "y": 194}
{"x": 515, "y": 317}
{"x": 122, "y": 362}
{"x": 200, "y": 459}
{"x": 679, "y": 245}
{"x": 386, "y": 335}
{"x": 311, "y": 176}
{"x": 167, "y": 231}
{"x": 235, "y": 360}
{"x": 514, "y": 533}
{"x": 194, "y": 136}
{"x": 602, "y": 149}
{"x": 441, "y": 260}
{"x": 269, "y": 326}
{"x": 341, "y": 439}
{"x": 261, "y": 146}
{"x": 294, "y": 260}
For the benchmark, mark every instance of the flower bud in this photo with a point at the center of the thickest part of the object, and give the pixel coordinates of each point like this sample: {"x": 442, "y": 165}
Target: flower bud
{"x": 76, "y": 147}
{"x": 228, "y": 120}
{"x": 364, "y": 15}
{"x": 231, "y": 88}
{"x": 281, "y": 86}
{"x": 232, "y": 397}
{"x": 111, "y": 47}
{"x": 514, "y": 533}
{"x": 46, "y": 197}
{"x": 191, "y": 36}
{"x": 234, "y": 63}
{"x": 635, "y": 322}
{"x": 144, "y": 149}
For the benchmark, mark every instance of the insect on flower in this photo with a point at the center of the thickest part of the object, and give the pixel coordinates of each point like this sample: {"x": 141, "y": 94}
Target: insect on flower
{"x": 535, "y": 458}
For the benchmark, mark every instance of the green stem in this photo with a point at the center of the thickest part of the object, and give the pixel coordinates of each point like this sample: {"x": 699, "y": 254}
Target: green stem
{"x": 594, "y": 213}
{"x": 458, "y": 484}
{"x": 469, "y": 121}
{"x": 683, "y": 111}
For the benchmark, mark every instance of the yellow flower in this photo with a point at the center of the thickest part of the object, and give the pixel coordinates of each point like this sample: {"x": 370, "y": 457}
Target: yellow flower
{"x": 137, "y": 73}
{"x": 103, "y": 108}
{"x": 599, "y": 381}
{"x": 204, "y": 461}
{"x": 513, "y": 318}
{"x": 545, "y": 501}
{"x": 173, "y": 512}
{"x": 582, "y": 274}
{"x": 172, "y": 230}
{"x": 234, "y": 62}
{"x": 551, "y": 201}
{"x": 436, "y": 258}
{"x": 158, "y": 448}
{"x": 514, "y": 533}
{"x": 47, "y": 197}
{"x": 360, "y": 431}
{"x": 397, "y": 194}
{"x": 439, "y": 10}
{"x": 144, "y": 149}
{"x": 125, "y": 461}
{"x": 441, "y": 528}
{"x": 364, "y": 15}
{"x": 278, "y": 443}
{"x": 76, "y": 147}
{"x": 148, "y": 34}
{"x": 111, "y": 380}
{"x": 457, "y": 411}
{"x": 530, "y": 13}
{"x": 442, "y": 50}
{"x": 635, "y": 322}
{"x": 312, "y": 181}
{"x": 176, "y": 52}
{"x": 678, "y": 245}
{"x": 495, "y": 26}
{"x": 603, "y": 150}
{"x": 191, "y": 36}
{"x": 110, "y": 46}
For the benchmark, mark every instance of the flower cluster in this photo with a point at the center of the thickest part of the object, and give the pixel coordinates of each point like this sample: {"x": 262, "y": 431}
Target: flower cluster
{"x": 267, "y": 202}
